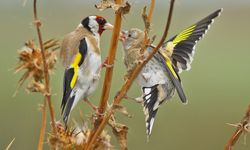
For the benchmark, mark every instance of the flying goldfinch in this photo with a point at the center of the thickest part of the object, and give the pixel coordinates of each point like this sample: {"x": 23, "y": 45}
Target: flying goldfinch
{"x": 80, "y": 52}
{"x": 159, "y": 78}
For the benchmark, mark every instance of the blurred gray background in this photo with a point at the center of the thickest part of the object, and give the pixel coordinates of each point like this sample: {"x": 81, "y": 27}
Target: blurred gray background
{"x": 217, "y": 86}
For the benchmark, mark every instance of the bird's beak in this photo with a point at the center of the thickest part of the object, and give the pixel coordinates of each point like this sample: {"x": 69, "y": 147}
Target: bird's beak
{"x": 123, "y": 36}
{"x": 108, "y": 26}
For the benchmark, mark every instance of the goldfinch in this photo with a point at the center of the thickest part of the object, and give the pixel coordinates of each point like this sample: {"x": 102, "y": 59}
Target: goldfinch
{"x": 159, "y": 78}
{"x": 80, "y": 53}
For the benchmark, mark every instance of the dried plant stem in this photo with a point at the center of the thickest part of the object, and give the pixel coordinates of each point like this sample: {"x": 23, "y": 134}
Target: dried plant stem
{"x": 240, "y": 129}
{"x": 46, "y": 78}
{"x": 148, "y": 20}
{"x": 129, "y": 82}
{"x": 43, "y": 127}
{"x": 111, "y": 58}
{"x": 151, "y": 10}
{"x": 109, "y": 71}
{"x": 8, "y": 147}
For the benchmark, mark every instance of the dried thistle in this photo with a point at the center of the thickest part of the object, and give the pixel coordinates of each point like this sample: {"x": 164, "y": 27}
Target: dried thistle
{"x": 76, "y": 138}
{"x": 119, "y": 8}
{"x": 30, "y": 60}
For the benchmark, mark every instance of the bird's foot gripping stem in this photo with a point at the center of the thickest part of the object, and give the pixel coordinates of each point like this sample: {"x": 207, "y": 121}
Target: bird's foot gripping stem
{"x": 106, "y": 65}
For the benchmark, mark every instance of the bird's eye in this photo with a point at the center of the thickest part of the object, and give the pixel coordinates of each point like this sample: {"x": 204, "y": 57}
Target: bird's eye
{"x": 101, "y": 21}
{"x": 129, "y": 35}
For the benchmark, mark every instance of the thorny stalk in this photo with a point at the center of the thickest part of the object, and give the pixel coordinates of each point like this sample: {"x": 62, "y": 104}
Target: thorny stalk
{"x": 109, "y": 70}
{"x": 239, "y": 131}
{"x": 110, "y": 61}
{"x": 47, "y": 95}
{"x": 129, "y": 82}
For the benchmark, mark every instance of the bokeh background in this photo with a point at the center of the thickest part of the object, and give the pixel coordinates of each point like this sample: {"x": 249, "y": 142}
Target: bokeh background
{"x": 218, "y": 86}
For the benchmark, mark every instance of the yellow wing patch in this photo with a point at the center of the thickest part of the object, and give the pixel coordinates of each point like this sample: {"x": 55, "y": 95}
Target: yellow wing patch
{"x": 169, "y": 64}
{"x": 184, "y": 35}
{"x": 74, "y": 65}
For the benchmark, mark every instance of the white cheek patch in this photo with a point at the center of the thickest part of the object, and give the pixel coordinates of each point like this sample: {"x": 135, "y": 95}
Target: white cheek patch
{"x": 93, "y": 24}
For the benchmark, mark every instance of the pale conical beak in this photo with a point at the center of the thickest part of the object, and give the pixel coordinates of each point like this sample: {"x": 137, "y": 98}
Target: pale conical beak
{"x": 108, "y": 26}
{"x": 123, "y": 36}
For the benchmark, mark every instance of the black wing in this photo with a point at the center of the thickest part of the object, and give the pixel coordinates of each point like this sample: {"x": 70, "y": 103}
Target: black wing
{"x": 70, "y": 78}
{"x": 183, "y": 44}
{"x": 170, "y": 69}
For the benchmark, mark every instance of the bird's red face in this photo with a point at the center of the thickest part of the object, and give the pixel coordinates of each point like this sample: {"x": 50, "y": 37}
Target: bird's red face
{"x": 103, "y": 24}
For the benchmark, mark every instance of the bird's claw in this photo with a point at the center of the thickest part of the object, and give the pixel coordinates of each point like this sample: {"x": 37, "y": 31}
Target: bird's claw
{"x": 106, "y": 65}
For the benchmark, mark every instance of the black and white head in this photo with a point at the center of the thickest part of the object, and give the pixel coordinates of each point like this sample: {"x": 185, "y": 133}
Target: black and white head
{"x": 96, "y": 24}
{"x": 132, "y": 38}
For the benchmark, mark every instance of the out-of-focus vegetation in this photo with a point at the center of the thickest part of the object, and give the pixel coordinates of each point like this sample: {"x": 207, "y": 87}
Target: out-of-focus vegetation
{"x": 217, "y": 86}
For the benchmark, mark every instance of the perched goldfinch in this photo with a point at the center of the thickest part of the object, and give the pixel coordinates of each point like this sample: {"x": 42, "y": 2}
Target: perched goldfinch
{"x": 80, "y": 52}
{"x": 159, "y": 78}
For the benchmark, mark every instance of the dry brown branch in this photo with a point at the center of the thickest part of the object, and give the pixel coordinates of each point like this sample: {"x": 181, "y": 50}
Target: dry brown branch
{"x": 147, "y": 22}
{"x": 30, "y": 61}
{"x": 151, "y": 10}
{"x": 43, "y": 126}
{"x": 111, "y": 58}
{"x": 109, "y": 71}
{"x": 129, "y": 82}
{"x": 37, "y": 23}
{"x": 241, "y": 128}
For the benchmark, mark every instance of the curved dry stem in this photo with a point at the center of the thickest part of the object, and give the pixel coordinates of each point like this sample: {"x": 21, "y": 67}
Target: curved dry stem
{"x": 129, "y": 82}
{"x": 236, "y": 135}
{"x": 47, "y": 96}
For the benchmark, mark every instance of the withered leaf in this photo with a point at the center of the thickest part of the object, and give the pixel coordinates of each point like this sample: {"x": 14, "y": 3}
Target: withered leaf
{"x": 124, "y": 9}
{"x": 105, "y": 4}
{"x": 35, "y": 86}
{"x": 120, "y": 131}
{"x": 122, "y": 110}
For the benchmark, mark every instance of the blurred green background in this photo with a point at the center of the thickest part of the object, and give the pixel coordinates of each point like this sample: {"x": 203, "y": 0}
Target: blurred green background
{"x": 218, "y": 86}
